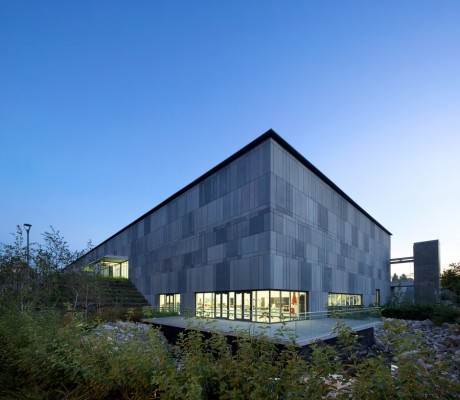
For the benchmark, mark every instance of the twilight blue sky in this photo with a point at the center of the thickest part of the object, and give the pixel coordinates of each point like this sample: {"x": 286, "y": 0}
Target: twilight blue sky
{"x": 109, "y": 107}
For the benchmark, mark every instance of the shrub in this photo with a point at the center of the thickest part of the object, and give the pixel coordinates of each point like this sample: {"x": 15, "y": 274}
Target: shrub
{"x": 41, "y": 357}
{"x": 437, "y": 313}
{"x": 44, "y": 357}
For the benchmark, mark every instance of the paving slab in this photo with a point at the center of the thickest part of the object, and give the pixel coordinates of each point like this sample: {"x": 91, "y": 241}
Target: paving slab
{"x": 304, "y": 332}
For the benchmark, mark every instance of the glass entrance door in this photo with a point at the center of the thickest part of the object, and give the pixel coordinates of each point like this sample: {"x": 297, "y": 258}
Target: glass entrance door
{"x": 243, "y": 305}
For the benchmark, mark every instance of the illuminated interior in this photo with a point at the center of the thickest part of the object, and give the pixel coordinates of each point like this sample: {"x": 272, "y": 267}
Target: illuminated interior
{"x": 109, "y": 266}
{"x": 256, "y": 305}
{"x": 344, "y": 300}
{"x": 170, "y": 302}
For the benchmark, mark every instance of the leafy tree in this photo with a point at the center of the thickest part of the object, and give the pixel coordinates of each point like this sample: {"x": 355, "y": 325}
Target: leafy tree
{"x": 40, "y": 282}
{"x": 402, "y": 277}
{"x": 14, "y": 271}
{"x": 450, "y": 279}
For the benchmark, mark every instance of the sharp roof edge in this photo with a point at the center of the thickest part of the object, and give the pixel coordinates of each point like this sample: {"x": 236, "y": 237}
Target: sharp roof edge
{"x": 270, "y": 134}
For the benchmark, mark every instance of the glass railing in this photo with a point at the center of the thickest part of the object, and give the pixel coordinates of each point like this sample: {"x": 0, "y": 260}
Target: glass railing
{"x": 161, "y": 312}
{"x": 301, "y": 327}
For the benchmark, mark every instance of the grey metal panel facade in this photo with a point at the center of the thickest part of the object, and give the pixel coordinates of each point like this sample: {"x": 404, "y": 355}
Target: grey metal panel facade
{"x": 263, "y": 221}
{"x": 427, "y": 268}
{"x": 347, "y": 252}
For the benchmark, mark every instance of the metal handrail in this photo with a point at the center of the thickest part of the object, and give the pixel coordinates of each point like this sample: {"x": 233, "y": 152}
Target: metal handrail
{"x": 255, "y": 316}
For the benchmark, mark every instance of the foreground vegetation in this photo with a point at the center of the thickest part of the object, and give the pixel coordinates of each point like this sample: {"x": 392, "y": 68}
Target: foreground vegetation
{"x": 46, "y": 355}
{"x": 437, "y": 313}
{"x": 52, "y": 347}
{"x": 450, "y": 282}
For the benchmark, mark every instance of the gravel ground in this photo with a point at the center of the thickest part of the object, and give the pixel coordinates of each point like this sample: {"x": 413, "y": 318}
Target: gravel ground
{"x": 442, "y": 341}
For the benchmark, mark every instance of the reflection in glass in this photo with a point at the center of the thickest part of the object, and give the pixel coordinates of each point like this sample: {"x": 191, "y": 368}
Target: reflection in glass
{"x": 258, "y": 305}
{"x": 208, "y": 305}
{"x": 344, "y": 300}
{"x": 218, "y": 305}
{"x": 247, "y": 305}
{"x": 261, "y": 305}
{"x": 238, "y": 305}
{"x": 231, "y": 305}
{"x": 224, "y": 300}
{"x": 275, "y": 306}
{"x": 170, "y": 302}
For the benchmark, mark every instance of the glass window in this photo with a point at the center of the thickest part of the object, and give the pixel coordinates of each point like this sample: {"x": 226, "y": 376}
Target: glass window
{"x": 221, "y": 304}
{"x": 231, "y": 305}
{"x": 177, "y": 302}
{"x": 258, "y": 305}
{"x": 224, "y": 300}
{"x": 295, "y": 304}
{"x": 170, "y": 302}
{"x": 238, "y": 305}
{"x": 208, "y": 308}
{"x": 247, "y": 305}
{"x": 275, "y": 306}
{"x": 199, "y": 305}
{"x": 344, "y": 300}
{"x": 218, "y": 302}
{"x": 285, "y": 305}
{"x": 261, "y": 306}
{"x": 303, "y": 305}
{"x": 113, "y": 267}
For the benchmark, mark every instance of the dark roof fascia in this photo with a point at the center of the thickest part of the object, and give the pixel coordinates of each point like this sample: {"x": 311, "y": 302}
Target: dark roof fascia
{"x": 270, "y": 134}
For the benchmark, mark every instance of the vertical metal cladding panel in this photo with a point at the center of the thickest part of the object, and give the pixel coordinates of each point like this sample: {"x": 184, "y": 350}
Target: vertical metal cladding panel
{"x": 222, "y": 276}
{"x": 277, "y": 272}
{"x": 182, "y": 281}
{"x": 426, "y": 272}
{"x": 293, "y": 274}
{"x": 327, "y": 279}
{"x": 305, "y": 276}
{"x": 352, "y": 283}
{"x": 254, "y": 273}
{"x": 209, "y": 278}
{"x": 267, "y": 267}
{"x": 239, "y": 272}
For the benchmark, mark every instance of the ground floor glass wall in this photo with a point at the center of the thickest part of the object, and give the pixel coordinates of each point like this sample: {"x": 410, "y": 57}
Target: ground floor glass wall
{"x": 109, "y": 267}
{"x": 253, "y": 305}
{"x": 170, "y": 302}
{"x": 344, "y": 300}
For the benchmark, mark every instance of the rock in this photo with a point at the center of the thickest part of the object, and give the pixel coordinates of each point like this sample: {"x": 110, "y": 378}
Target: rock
{"x": 427, "y": 323}
{"x": 454, "y": 339}
{"x": 441, "y": 347}
{"x": 443, "y": 341}
{"x": 408, "y": 353}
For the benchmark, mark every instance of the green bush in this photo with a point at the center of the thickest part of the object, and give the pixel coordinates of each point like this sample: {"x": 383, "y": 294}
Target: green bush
{"x": 437, "y": 313}
{"x": 43, "y": 356}
{"x": 149, "y": 312}
{"x": 40, "y": 357}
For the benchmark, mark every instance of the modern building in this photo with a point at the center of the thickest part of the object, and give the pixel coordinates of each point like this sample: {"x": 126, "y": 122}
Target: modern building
{"x": 262, "y": 236}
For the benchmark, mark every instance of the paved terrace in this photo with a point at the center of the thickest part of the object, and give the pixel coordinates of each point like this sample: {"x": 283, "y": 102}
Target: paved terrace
{"x": 304, "y": 331}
